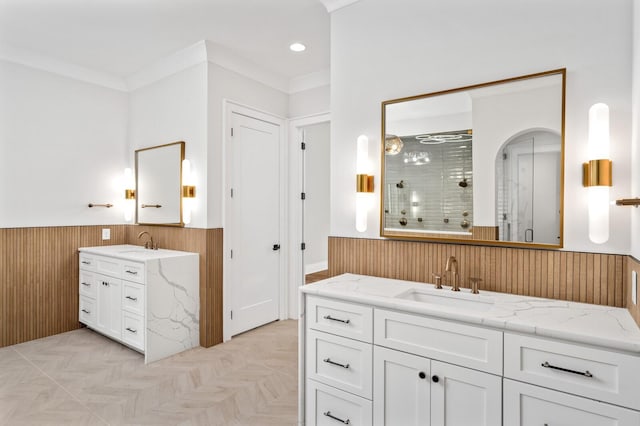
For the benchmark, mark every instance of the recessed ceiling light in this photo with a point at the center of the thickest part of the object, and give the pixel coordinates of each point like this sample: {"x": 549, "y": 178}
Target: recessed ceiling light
{"x": 297, "y": 47}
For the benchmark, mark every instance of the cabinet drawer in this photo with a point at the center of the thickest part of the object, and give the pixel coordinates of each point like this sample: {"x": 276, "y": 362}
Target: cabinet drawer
{"x": 460, "y": 344}
{"x": 327, "y": 406}
{"x": 108, "y": 266}
{"x": 133, "y": 330}
{"x": 87, "y": 262}
{"x": 88, "y": 284}
{"x": 341, "y": 318}
{"x": 595, "y": 373}
{"x": 529, "y": 405}
{"x": 133, "y": 271}
{"x": 87, "y": 313}
{"x": 340, "y": 362}
{"x": 133, "y": 297}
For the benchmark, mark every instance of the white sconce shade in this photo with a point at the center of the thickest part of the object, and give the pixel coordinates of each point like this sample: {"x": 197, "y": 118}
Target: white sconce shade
{"x": 188, "y": 191}
{"x": 364, "y": 183}
{"x": 129, "y": 194}
{"x": 598, "y": 173}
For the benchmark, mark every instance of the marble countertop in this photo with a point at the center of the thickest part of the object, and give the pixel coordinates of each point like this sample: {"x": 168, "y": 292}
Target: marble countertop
{"x": 578, "y": 322}
{"x": 131, "y": 252}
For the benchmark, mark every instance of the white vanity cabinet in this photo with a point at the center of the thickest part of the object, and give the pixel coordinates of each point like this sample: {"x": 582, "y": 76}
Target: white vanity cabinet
{"x": 370, "y": 356}
{"x": 145, "y": 299}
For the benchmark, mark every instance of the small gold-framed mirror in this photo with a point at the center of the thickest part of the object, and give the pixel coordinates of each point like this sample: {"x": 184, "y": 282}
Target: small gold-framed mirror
{"x": 477, "y": 164}
{"x": 159, "y": 184}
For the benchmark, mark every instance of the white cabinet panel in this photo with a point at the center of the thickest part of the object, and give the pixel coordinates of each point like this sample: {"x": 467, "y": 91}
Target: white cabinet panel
{"x": 328, "y": 406}
{"x": 88, "y": 311}
{"x": 87, "y": 262}
{"x": 340, "y": 362}
{"x": 133, "y": 297}
{"x": 133, "y": 271}
{"x": 88, "y": 284}
{"x": 133, "y": 330}
{"x": 108, "y": 266}
{"x": 462, "y": 397}
{"x": 465, "y": 345}
{"x": 401, "y": 388}
{"x": 528, "y": 405}
{"x": 109, "y": 318}
{"x": 600, "y": 374}
{"x": 341, "y": 318}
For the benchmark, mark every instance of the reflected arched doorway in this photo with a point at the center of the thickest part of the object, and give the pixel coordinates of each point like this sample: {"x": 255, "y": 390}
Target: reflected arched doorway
{"x": 528, "y": 168}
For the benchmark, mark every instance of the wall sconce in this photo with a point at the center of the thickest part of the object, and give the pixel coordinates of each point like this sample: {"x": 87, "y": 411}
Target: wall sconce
{"x": 364, "y": 183}
{"x": 129, "y": 194}
{"x": 188, "y": 191}
{"x": 597, "y": 173}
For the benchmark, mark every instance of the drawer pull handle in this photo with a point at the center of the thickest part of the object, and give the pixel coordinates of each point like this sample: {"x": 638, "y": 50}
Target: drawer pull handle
{"x": 345, "y": 422}
{"x": 132, "y": 298}
{"x": 86, "y": 262}
{"x": 330, "y": 318}
{"x": 328, "y": 361}
{"x": 132, "y": 330}
{"x": 132, "y": 272}
{"x": 87, "y": 284}
{"x": 581, "y": 373}
{"x": 86, "y": 312}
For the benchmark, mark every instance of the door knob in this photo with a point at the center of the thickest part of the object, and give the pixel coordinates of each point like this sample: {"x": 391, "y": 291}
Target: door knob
{"x": 276, "y": 247}
{"x": 435, "y": 379}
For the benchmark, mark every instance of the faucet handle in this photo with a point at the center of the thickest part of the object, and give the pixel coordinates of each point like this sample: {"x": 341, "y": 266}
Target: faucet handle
{"x": 475, "y": 284}
{"x": 438, "y": 281}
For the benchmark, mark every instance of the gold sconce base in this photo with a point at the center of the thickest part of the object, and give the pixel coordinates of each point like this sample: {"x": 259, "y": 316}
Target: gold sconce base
{"x": 189, "y": 191}
{"x": 597, "y": 173}
{"x": 129, "y": 194}
{"x": 364, "y": 183}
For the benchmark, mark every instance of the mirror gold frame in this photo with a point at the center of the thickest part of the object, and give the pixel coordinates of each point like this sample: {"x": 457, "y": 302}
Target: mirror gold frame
{"x": 162, "y": 170}
{"x": 474, "y": 238}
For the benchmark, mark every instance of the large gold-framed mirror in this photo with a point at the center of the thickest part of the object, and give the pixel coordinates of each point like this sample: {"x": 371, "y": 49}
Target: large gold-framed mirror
{"x": 159, "y": 184}
{"x": 479, "y": 164}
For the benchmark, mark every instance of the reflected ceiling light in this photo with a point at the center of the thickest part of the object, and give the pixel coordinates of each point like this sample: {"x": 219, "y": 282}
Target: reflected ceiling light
{"x": 443, "y": 137}
{"x": 392, "y": 144}
{"x": 297, "y": 47}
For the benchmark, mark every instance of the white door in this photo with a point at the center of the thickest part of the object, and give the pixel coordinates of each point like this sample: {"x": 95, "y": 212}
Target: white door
{"x": 462, "y": 397}
{"x": 253, "y": 222}
{"x": 401, "y": 388}
{"x": 528, "y": 405}
{"x": 109, "y": 318}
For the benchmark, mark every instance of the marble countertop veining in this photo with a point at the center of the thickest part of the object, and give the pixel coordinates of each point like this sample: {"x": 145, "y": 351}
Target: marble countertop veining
{"x": 132, "y": 252}
{"x": 598, "y": 325}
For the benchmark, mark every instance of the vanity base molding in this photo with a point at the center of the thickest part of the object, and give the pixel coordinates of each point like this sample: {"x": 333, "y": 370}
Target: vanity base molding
{"x": 147, "y": 300}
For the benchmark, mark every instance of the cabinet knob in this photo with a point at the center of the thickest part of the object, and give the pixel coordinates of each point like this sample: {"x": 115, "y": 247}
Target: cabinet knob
{"x": 435, "y": 379}
{"x": 422, "y": 375}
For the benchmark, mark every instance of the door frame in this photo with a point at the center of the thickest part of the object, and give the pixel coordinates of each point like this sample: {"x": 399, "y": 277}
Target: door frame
{"x": 229, "y": 107}
{"x": 296, "y": 272}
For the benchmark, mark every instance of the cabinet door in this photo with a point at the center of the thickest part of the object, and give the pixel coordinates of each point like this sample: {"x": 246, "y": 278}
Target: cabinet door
{"x": 109, "y": 319}
{"x": 528, "y": 405}
{"x": 462, "y": 397}
{"x": 401, "y": 388}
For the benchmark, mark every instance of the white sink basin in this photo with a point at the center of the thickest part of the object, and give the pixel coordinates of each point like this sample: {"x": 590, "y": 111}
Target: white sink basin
{"x": 444, "y": 297}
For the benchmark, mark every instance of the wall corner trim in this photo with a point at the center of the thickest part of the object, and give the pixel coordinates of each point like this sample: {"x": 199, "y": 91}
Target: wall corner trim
{"x": 333, "y": 5}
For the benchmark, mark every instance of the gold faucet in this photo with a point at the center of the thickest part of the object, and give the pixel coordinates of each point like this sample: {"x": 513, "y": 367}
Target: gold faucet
{"x": 148, "y": 244}
{"x": 452, "y": 266}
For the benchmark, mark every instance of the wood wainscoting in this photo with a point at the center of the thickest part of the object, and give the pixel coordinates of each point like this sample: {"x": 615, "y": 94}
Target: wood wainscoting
{"x": 39, "y": 276}
{"x": 634, "y": 309}
{"x": 565, "y": 275}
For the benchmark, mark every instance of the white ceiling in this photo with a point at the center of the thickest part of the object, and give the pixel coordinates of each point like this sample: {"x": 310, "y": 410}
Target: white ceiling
{"x": 120, "y": 37}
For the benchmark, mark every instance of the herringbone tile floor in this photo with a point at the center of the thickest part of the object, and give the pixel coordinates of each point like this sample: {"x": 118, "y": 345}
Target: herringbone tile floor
{"x": 83, "y": 378}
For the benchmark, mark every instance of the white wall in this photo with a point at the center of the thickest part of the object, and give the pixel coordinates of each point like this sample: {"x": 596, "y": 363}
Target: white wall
{"x": 62, "y": 146}
{"x": 308, "y": 102}
{"x": 224, "y": 84}
{"x": 385, "y": 51}
{"x": 316, "y": 220}
{"x": 635, "y": 140}
{"x": 170, "y": 110}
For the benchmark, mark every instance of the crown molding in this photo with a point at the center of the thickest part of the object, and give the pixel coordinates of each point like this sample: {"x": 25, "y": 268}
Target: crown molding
{"x": 227, "y": 59}
{"x": 333, "y": 5}
{"x": 169, "y": 65}
{"x": 44, "y": 63}
{"x": 309, "y": 81}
